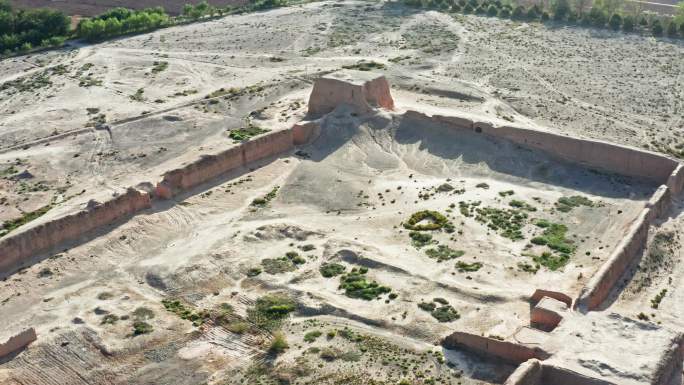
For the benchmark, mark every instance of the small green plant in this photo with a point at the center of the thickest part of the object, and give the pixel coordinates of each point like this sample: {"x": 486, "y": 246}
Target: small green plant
{"x": 270, "y": 310}
{"x": 445, "y": 313}
{"x": 507, "y": 222}
{"x": 138, "y": 96}
{"x": 246, "y": 133}
{"x": 184, "y": 312}
{"x": 11, "y": 225}
{"x": 655, "y": 302}
{"x": 238, "y": 327}
{"x": 428, "y": 220}
{"x": 464, "y": 267}
{"x": 283, "y": 264}
{"x": 522, "y": 205}
{"x": 528, "y": 268}
{"x": 141, "y": 327}
{"x": 483, "y": 185}
{"x": 331, "y": 269}
{"x": 253, "y": 271}
{"x": 554, "y": 237}
{"x": 279, "y": 343}
{"x": 159, "y": 66}
{"x": 566, "y": 204}
{"x": 443, "y": 253}
{"x": 550, "y": 261}
{"x": 365, "y": 66}
{"x": 312, "y": 336}
{"x": 263, "y": 201}
{"x": 142, "y": 313}
{"x": 506, "y": 193}
{"x": 419, "y": 239}
{"x": 355, "y": 285}
{"x": 109, "y": 319}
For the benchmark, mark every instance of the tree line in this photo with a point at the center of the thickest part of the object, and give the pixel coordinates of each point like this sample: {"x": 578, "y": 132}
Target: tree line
{"x": 22, "y": 30}
{"x": 613, "y": 14}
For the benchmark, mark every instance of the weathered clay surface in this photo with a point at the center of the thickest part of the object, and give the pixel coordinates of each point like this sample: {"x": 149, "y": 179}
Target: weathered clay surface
{"x": 17, "y": 342}
{"x": 16, "y": 248}
{"x": 361, "y": 90}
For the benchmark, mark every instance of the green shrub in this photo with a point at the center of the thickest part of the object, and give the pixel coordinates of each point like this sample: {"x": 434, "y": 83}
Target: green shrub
{"x": 312, "y": 336}
{"x": 492, "y": 10}
{"x": 238, "y": 327}
{"x": 551, "y": 261}
{"x": 597, "y": 17}
{"x": 443, "y": 253}
{"x": 533, "y": 12}
{"x": 545, "y": 16}
{"x": 566, "y": 204}
{"x": 279, "y": 343}
{"x": 615, "y": 22}
{"x": 253, "y": 271}
{"x": 464, "y": 267}
{"x": 628, "y": 24}
{"x": 435, "y": 221}
{"x": 468, "y": 9}
{"x": 655, "y": 302}
{"x": 269, "y": 311}
{"x": 246, "y": 133}
{"x": 445, "y": 313}
{"x": 671, "y": 29}
{"x": 109, "y": 319}
{"x": 427, "y": 306}
{"x": 657, "y": 28}
{"x": 554, "y": 237}
{"x": 331, "y": 269}
{"x": 141, "y": 327}
{"x": 518, "y": 13}
{"x": 142, "y": 313}
{"x": 355, "y": 285}
{"x": 419, "y": 239}
{"x": 504, "y": 13}
{"x": 184, "y": 312}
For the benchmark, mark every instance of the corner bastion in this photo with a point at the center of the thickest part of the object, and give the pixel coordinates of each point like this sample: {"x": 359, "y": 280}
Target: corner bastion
{"x": 363, "y": 90}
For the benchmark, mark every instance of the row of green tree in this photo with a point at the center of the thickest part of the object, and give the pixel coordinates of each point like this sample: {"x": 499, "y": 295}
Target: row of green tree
{"x": 119, "y": 21}
{"x": 602, "y": 14}
{"x": 21, "y": 30}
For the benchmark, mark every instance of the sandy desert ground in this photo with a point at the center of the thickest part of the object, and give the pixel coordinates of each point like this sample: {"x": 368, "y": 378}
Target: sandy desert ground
{"x": 88, "y": 121}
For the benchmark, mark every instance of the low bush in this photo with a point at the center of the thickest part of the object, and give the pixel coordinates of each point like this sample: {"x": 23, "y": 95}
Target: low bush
{"x": 443, "y": 253}
{"x": 355, "y": 285}
{"x": 331, "y": 269}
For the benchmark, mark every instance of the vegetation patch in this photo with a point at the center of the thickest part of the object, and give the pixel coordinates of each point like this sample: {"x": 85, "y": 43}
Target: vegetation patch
{"x": 365, "y": 66}
{"x": 246, "y": 133}
{"x": 465, "y": 267}
{"x": 443, "y": 313}
{"x": 655, "y": 302}
{"x": 184, "y": 312}
{"x": 522, "y": 205}
{"x": 566, "y": 204}
{"x": 428, "y": 220}
{"x": 331, "y": 269}
{"x": 159, "y": 66}
{"x": 312, "y": 336}
{"x": 263, "y": 201}
{"x": 443, "y": 253}
{"x": 270, "y": 310}
{"x": 419, "y": 239}
{"x": 356, "y": 285}
{"x": 13, "y": 224}
{"x": 142, "y": 327}
{"x": 507, "y": 222}
{"x": 554, "y": 237}
{"x": 283, "y": 264}
{"x": 549, "y": 260}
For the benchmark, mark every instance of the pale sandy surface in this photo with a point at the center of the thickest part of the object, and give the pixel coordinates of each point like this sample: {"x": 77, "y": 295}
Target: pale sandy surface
{"x": 199, "y": 248}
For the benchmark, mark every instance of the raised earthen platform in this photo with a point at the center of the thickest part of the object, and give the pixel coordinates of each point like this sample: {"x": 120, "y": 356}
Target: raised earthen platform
{"x": 552, "y": 356}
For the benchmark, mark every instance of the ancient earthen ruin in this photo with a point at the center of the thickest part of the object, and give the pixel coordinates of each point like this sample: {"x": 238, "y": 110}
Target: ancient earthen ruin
{"x": 565, "y": 329}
